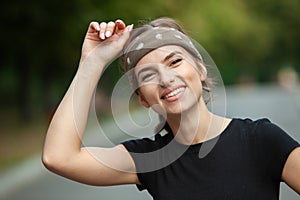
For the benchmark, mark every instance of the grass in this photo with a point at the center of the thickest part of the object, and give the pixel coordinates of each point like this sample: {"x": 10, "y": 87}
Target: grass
{"x": 19, "y": 140}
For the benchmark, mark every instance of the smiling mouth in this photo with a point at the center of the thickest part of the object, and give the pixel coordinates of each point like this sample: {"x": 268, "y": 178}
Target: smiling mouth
{"x": 173, "y": 93}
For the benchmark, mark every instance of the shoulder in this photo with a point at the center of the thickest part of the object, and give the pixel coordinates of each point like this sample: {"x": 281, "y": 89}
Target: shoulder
{"x": 266, "y": 130}
{"x": 267, "y": 142}
{"x": 247, "y": 128}
{"x": 250, "y": 123}
{"x": 261, "y": 132}
{"x": 258, "y": 127}
{"x": 267, "y": 135}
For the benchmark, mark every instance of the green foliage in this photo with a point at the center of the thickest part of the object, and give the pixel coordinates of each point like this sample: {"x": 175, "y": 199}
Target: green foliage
{"x": 41, "y": 40}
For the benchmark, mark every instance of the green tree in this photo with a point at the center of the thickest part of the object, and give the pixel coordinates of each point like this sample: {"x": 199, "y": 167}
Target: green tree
{"x": 41, "y": 40}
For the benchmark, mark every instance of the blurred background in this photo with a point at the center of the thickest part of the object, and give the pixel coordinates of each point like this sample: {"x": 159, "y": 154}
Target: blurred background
{"x": 255, "y": 44}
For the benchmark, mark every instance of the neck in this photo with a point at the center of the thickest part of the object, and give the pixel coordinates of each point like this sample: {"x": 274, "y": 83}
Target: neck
{"x": 196, "y": 125}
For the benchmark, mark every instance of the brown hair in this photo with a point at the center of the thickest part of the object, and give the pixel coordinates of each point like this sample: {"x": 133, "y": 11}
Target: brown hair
{"x": 163, "y": 22}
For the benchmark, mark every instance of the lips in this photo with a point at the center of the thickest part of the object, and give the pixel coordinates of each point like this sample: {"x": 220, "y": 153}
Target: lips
{"x": 172, "y": 93}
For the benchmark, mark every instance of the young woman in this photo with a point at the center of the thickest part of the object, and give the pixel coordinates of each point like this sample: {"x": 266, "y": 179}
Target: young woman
{"x": 243, "y": 159}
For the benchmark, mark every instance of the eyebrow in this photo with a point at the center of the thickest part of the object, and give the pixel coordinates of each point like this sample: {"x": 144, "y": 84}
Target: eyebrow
{"x": 143, "y": 70}
{"x": 171, "y": 55}
{"x": 164, "y": 60}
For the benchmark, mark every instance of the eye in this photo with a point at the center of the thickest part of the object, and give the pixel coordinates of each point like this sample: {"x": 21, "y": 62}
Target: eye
{"x": 148, "y": 76}
{"x": 176, "y": 61}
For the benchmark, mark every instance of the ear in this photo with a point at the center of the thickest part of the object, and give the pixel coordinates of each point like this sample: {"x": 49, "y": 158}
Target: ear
{"x": 203, "y": 72}
{"x": 143, "y": 100}
{"x": 203, "y": 76}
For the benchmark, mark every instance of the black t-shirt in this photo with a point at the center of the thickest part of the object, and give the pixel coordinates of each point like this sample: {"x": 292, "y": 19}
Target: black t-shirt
{"x": 246, "y": 162}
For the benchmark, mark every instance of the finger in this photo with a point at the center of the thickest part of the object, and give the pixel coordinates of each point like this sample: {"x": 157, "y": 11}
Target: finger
{"x": 94, "y": 26}
{"x": 125, "y": 34}
{"x": 120, "y": 26}
{"x": 109, "y": 29}
{"x": 102, "y": 30}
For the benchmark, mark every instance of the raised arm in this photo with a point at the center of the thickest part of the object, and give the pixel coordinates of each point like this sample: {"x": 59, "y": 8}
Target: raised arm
{"x": 62, "y": 152}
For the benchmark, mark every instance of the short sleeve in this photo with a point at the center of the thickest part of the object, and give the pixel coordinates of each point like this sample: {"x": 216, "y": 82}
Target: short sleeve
{"x": 138, "y": 146}
{"x": 276, "y": 146}
{"x": 150, "y": 161}
{"x": 145, "y": 145}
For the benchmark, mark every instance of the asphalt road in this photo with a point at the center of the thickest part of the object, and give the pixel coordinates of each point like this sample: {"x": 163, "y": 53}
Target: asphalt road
{"x": 31, "y": 181}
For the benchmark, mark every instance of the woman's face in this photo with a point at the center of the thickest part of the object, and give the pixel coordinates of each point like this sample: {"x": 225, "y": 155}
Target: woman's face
{"x": 169, "y": 80}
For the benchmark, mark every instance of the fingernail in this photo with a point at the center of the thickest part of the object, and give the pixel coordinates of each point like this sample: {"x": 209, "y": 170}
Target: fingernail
{"x": 108, "y": 34}
{"x": 98, "y": 28}
{"x": 130, "y": 27}
{"x": 102, "y": 36}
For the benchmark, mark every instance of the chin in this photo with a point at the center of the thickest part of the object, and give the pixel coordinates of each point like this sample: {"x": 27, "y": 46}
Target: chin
{"x": 183, "y": 108}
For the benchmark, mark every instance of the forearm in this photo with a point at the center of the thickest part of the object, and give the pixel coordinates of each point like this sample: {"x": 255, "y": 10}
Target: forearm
{"x": 62, "y": 149}
{"x": 64, "y": 135}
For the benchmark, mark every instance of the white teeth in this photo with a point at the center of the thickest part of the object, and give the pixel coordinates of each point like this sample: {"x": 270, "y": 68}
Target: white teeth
{"x": 174, "y": 92}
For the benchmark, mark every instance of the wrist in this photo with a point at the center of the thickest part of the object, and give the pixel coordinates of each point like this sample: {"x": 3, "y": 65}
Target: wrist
{"x": 91, "y": 66}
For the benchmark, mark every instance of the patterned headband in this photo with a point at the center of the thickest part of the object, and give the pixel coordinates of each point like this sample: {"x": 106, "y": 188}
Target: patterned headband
{"x": 153, "y": 39}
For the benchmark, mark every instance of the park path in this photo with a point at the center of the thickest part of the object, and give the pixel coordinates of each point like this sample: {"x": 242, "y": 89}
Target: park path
{"x": 31, "y": 181}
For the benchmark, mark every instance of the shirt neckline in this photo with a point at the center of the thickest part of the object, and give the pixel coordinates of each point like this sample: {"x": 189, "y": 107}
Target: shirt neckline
{"x": 195, "y": 147}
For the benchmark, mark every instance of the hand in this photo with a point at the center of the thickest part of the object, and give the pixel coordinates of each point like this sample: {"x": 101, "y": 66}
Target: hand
{"x": 105, "y": 40}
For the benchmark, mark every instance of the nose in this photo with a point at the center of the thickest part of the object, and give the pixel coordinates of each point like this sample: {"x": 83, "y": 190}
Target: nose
{"x": 166, "y": 76}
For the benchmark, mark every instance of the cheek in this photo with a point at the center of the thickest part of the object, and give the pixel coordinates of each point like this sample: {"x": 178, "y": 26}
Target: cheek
{"x": 190, "y": 75}
{"x": 149, "y": 91}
